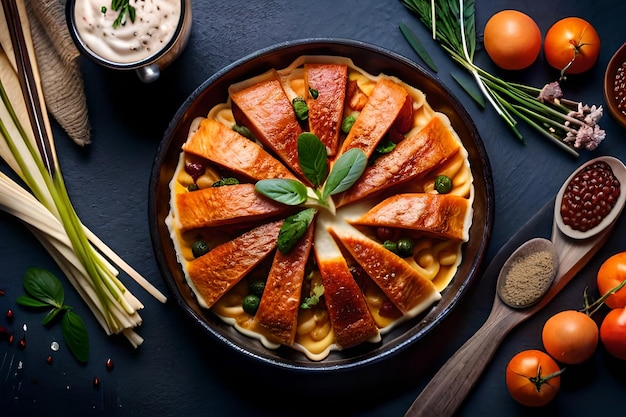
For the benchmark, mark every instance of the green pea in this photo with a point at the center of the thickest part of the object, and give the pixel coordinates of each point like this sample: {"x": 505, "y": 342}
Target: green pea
{"x": 244, "y": 131}
{"x": 199, "y": 248}
{"x": 347, "y": 123}
{"x": 443, "y": 184}
{"x": 251, "y": 304}
{"x": 300, "y": 107}
{"x": 385, "y": 146}
{"x": 390, "y": 246}
{"x": 405, "y": 247}
{"x": 225, "y": 181}
{"x": 257, "y": 288}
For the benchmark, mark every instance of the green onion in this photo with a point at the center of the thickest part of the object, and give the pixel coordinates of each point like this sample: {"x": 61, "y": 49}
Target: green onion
{"x": 569, "y": 124}
{"x": 48, "y": 212}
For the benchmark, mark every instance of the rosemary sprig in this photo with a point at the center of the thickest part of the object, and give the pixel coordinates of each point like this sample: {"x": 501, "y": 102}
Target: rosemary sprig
{"x": 567, "y": 123}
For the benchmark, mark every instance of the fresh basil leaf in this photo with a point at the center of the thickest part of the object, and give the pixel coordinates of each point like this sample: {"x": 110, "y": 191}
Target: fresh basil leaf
{"x": 286, "y": 191}
{"x": 52, "y": 314}
{"x": 346, "y": 171}
{"x": 28, "y": 301}
{"x": 75, "y": 335}
{"x": 42, "y": 285}
{"x": 312, "y": 158}
{"x": 293, "y": 229}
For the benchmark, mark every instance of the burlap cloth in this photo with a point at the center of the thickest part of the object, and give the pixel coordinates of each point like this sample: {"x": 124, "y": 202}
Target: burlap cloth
{"x": 59, "y": 68}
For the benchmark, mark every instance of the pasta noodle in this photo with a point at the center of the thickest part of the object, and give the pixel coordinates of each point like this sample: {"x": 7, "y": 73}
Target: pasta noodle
{"x": 434, "y": 258}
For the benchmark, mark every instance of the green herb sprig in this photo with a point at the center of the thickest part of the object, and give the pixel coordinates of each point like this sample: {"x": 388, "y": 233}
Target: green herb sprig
{"x": 293, "y": 229}
{"x": 313, "y": 161}
{"x": 125, "y": 9}
{"x": 569, "y": 124}
{"x": 44, "y": 290}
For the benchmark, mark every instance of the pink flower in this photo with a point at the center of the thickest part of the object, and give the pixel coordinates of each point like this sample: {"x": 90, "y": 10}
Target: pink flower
{"x": 589, "y": 135}
{"x": 550, "y": 92}
{"x": 586, "y": 137}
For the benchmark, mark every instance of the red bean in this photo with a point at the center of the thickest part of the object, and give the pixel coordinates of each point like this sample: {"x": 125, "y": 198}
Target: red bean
{"x": 619, "y": 88}
{"x": 194, "y": 169}
{"x": 590, "y": 196}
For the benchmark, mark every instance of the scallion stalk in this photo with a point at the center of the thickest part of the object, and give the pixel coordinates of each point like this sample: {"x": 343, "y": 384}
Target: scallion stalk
{"x": 48, "y": 212}
{"x": 571, "y": 125}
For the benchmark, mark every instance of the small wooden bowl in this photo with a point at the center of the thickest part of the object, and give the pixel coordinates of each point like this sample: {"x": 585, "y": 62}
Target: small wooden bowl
{"x": 609, "y": 84}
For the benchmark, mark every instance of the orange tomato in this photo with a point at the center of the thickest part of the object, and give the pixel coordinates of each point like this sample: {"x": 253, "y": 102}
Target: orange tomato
{"x": 611, "y": 273}
{"x": 570, "y": 336}
{"x": 613, "y": 333}
{"x": 572, "y": 45}
{"x": 533, "y": 378}
{"x": 512, "y": 40}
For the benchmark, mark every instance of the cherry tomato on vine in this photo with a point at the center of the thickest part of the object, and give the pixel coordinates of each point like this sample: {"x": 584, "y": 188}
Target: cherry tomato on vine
{"x": 613, "y": 333}
{"x": 533, "y": 378}
{"x": 512, "y": 39}
{"x": 572, "y": 45}
{"x": 570, "y": 337}
{"x": 611, "y": 273}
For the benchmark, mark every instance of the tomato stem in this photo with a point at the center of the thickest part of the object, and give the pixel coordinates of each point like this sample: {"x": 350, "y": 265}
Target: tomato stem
{"x": 577, "y": 47}
{"x": 539, "y": 380}
{"x": 590, "y": 309}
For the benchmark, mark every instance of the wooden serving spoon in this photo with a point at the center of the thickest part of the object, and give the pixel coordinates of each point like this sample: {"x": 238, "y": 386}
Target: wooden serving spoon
{"x": 449, "y": 387}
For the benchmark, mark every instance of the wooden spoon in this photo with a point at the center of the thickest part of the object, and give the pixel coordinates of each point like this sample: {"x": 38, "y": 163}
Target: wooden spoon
{"x": 534, "y": 284}
{"x": 449, "y": 387}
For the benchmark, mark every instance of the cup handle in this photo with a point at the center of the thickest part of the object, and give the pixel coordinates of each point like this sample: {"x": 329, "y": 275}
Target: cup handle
{"x": 149, "y": 73}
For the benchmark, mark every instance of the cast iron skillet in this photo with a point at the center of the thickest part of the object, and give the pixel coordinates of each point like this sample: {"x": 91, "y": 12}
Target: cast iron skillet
{"x": 375, "y": 60}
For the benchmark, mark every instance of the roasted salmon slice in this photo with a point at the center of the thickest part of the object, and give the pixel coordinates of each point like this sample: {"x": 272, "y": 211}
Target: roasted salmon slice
{"x": 326, "y": 110}
{"x": 229, "y": 204}
{"x": 266, "y": 110}
{"x": 414, "y": 156}
{"x": 277, "y": 315}
{"x": 225, "y": 147}
{"x": 379, "y": 114}
{"x": 441, "y": 215}
{"x": 349, "y": 315}
{"x": 404, "y": 286}
{"x": 216, "y": 272}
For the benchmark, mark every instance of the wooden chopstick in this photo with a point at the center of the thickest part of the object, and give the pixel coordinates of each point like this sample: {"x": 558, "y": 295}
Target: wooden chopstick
{"x": 28, "y": 83}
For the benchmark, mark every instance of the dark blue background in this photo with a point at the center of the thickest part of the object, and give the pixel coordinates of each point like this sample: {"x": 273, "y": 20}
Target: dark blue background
{"x": 180, "y": 371}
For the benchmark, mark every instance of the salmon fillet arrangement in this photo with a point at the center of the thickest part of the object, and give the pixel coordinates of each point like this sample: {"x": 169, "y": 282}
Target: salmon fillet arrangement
{"x": 380, "y": 253}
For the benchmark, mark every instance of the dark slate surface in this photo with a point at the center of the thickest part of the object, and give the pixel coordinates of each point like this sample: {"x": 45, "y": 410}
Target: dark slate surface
{"x": 179, "y": 370}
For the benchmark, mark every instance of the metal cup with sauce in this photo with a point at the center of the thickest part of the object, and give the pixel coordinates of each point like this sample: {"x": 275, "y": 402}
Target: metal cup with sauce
{"x": 148, "y": 67}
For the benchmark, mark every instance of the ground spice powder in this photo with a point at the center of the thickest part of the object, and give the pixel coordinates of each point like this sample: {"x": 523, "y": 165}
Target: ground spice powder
{"x": 527, "y": 279}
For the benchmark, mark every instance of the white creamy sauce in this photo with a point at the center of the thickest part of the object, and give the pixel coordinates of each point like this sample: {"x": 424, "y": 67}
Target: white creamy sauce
{"x": 154, "y": 26}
